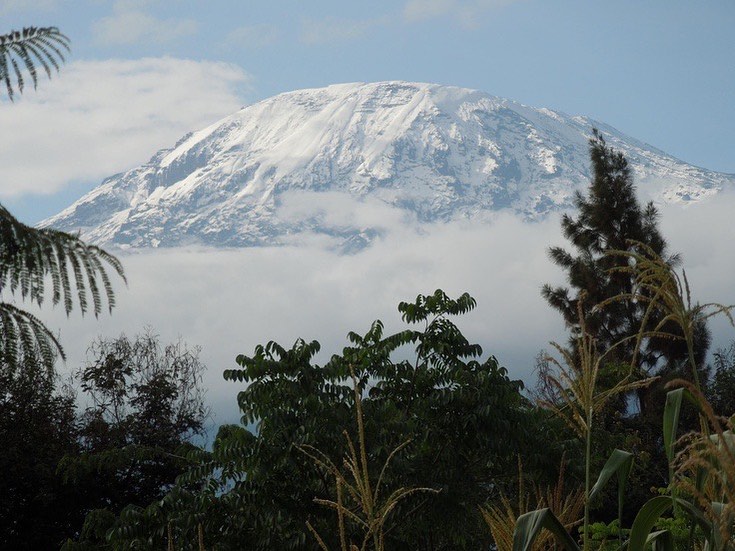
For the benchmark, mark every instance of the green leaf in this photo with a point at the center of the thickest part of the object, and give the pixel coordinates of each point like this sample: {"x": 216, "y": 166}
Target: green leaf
{"x": 620, "y": 462}
{"x": 672, "y": 409}
{"x": 646, "y": 519}
{"x": 663, "y": 540}
{"x": 529, "y": 526}
{"x": 695, "y": 513}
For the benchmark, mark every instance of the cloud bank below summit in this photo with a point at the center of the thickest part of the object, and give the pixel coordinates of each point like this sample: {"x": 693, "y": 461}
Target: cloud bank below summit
{"x": 230, "y": 300}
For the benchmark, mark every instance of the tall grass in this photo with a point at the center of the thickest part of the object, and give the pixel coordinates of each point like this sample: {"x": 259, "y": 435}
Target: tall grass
{"x": 703, "y": 471}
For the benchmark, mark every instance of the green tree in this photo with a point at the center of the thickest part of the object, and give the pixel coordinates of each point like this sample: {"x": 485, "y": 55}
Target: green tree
{"x": 465, "y": 419}
{"x": 721, "y": 390}
{"x": 146, "y": 402}
{"x": 31, "y": 258}
{"x": 608, "y": 219}
{"x": 37, "y": 428}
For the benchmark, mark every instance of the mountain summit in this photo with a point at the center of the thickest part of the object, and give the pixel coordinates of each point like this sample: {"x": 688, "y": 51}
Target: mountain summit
{"x": 437, "y": 152}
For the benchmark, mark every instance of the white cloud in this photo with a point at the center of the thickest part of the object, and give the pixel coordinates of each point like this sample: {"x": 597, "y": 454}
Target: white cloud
{"x": 100, "y": 117}
{"x": 335, "y": 209}
{"x": 335, "y": 29}
{"x": 702, "y": 232}
{"x": 228, "y": 301}
{"x": 252, "y": 36}
{"x": 129, "y": 25}
{"x": 466, "y": 12}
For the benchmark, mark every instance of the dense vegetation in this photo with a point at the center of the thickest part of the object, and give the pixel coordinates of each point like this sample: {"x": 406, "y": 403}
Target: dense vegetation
{"x": 373, "y": 450}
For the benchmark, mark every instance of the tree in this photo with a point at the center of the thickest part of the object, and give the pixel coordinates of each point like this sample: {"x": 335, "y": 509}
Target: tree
{"x": 465, "y": 418}
{"x": 146, "y": 403}
{"x": 37, "y": 428}
{"x": 37, "y": 423}
{"x": 608, "y": 219}
{"x": 721, "y": 390}
{"x": 29, "y": 257}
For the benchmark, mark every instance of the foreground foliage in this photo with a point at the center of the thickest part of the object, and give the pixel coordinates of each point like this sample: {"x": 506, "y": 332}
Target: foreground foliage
{"x": 459, "y": 423}
{"x": 701, "y": 475}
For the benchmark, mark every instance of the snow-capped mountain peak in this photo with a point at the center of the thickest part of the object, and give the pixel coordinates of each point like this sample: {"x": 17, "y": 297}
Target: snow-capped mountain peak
{"x": 438, "y": 152}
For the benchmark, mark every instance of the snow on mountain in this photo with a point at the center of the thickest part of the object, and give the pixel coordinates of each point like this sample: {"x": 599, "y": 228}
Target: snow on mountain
{"x": 439, "y": 153}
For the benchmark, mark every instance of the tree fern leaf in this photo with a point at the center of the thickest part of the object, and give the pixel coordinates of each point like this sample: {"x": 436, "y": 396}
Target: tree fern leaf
{"x": 54, "y": 269}
{"x": 79, "y": 281}
{"x": 22, "y": 53}
{"x": 41, "y": 55}
{"x": 90, "y": 269}
{"x": 49, "y": 45}
{"x": 18, "y": 75}
{"x": 64, "y": 275}
{"x": 34, "y": 46}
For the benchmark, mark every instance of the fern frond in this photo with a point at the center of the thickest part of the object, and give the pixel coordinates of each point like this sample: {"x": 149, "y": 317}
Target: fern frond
{"x": 22, "y": 335}
{"x": 31, "y": 259}
{"x": 44, "y": 46}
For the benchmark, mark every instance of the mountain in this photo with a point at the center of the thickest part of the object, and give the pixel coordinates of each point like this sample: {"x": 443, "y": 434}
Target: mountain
{"x": 439, "y": 153}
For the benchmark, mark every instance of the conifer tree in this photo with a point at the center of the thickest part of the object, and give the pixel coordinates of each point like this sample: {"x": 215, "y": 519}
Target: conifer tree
{"x": 608, "y": 218}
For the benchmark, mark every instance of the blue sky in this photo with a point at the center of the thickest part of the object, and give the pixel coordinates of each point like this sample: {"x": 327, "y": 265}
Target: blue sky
{"x": 661, "y": 71}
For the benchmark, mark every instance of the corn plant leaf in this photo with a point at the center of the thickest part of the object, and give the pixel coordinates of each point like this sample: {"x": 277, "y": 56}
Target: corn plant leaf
{"x": 646, "y": 519}
{"x": 720, "y": 510}
{"x": 663, "y": 540}
{"x": 672, "y": 409}
{"x": 529, "y": 526}
{"x": 696, "y": 514}
{"x": 619, "y": 463}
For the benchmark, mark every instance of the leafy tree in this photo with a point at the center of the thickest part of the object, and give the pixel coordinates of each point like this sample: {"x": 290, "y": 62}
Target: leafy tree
{"x": 608, "y": 219}
{"x": 465, "y": 419}
{"x": 146, "y": 402}
{"x": 30, "y": 257}
{"x": 37, "y": 428}
{"x": 721, "y": 390}
{"x": 36, "y": 422}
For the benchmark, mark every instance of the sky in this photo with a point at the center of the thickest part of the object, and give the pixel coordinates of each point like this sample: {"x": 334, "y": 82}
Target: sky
{"x": 142, "y": 73}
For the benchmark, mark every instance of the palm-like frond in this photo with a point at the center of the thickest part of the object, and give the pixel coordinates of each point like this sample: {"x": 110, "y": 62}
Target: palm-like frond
{"x": 24, "y": 50}
{"x": 31, "y": 261}
{"x": 22, "y": 335}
